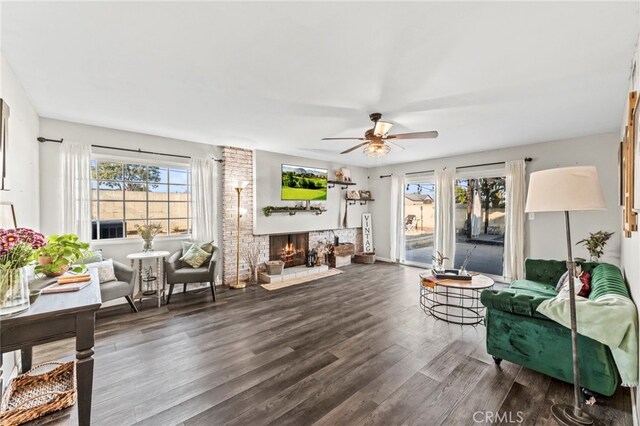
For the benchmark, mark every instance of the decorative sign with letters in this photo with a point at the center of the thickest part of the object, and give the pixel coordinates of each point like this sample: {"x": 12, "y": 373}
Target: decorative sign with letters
{"x": 367, "y": 233}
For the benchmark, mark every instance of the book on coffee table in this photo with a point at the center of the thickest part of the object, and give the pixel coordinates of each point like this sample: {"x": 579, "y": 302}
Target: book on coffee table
{"x": 67, "y": 284}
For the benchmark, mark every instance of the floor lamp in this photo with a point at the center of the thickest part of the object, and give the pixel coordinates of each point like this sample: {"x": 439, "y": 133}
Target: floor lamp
{"x": 564, "y": 190}
{"x": 239, "y": 186}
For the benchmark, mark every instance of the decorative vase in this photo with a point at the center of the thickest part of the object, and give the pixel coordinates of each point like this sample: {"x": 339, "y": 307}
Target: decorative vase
{"x": 253, "y": 275}
{"x": 14, "y": 291}
{"x": 148, "y": 245}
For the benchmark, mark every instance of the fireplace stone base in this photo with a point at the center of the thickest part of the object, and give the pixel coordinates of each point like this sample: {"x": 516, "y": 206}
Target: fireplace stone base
{"x": 293, "y": 272}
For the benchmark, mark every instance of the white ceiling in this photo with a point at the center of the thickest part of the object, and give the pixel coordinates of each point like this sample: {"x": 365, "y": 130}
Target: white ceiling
{"x": 280, "y": 76}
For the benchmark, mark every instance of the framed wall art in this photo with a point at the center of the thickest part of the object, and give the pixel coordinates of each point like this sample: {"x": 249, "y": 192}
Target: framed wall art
{"x": 629, "y": 216}
{"x": 636, "y": 156}
{"x": 4, "y": 140}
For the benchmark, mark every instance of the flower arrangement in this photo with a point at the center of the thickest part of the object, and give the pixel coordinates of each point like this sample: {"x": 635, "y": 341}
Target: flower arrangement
{"x": 596, "y": 243}
{"x": 16, "y": 251}
{"x": 148, "y": 232}
{"x": 324, "y": 249}
{"x": 17, "y": 246}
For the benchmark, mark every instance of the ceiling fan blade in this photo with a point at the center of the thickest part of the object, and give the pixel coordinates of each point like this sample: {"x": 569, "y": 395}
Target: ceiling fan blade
{"x": 343, "y": 139}
{"x": 416, "y": 135}
{"x": 395, "y": 144}
{"x": 382, "y": 128}
{"x": 354, "y": 147}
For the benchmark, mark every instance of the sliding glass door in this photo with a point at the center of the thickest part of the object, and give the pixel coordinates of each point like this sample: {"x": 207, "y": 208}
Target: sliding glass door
{"x": 480, "y": 223}
{"x": 419, "y": 220}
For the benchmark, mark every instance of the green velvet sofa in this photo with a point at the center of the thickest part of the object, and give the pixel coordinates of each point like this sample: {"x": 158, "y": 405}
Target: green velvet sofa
{"x": 516, "y": 332}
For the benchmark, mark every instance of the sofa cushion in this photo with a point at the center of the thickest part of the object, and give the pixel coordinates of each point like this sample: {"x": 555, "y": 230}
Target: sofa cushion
{"x": 550, "y": 271}
{"x": 114, "y": 289}
{"x": 607, "y": 279}
{"x": 190, "y": 275}
{"x": 535, "y": 286}
{"x": 521, "y": 302}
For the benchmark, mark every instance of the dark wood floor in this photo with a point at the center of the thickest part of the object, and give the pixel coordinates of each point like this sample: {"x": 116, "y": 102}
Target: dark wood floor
{"x": 352, "y": 349}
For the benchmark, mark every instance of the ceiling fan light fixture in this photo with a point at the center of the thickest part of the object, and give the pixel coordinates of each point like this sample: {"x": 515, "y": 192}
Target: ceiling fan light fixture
{"x": 376, "y": 150}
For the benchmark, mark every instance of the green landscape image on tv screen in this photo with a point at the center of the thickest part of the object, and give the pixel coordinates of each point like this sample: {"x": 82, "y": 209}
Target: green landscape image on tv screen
{"x": 303, "y": 183}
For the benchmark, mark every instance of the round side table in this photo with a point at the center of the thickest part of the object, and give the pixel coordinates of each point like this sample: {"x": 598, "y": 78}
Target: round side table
{"x": 456, "y": 302}
{"x": 159, "y": 256}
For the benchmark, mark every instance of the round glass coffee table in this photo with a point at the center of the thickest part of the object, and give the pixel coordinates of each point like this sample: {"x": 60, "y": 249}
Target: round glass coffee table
{"x": 456, "y": 302}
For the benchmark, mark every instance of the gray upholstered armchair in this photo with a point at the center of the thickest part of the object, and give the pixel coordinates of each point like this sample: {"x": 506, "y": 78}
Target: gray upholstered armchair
{"x": 179, "y": 274}
{"x": 123, "y": 287}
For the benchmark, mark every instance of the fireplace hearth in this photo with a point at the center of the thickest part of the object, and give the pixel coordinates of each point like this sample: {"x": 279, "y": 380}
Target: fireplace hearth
{"x": 290, "y": 248}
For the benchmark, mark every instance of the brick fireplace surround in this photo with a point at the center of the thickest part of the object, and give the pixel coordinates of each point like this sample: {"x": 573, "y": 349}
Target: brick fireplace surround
{"x": 238, "y": 165}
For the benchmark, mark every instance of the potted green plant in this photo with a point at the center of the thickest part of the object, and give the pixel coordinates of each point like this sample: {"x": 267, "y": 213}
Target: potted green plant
{"x": 596, "y": 243}
{"x": 60, "y": 252}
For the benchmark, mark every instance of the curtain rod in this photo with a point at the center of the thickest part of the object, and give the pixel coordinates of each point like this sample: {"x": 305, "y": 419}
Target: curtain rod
{"x": 527, "y": 159}
{"x": 139, "y": 151}
{"x": 410, "y": 173}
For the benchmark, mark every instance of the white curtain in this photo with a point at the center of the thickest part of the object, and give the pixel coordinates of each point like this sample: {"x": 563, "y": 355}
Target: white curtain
{"x": 76, "y": 189}
{"x": 515, "y": 187}
{"x": 204, "y": 184}
{"x": 476, "y": 214}
{"x": 396, "y": 219}
{"x": 445, "y": 233}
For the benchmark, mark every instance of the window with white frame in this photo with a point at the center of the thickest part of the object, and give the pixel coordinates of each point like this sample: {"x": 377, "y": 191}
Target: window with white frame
{"x": 125, "y": 194}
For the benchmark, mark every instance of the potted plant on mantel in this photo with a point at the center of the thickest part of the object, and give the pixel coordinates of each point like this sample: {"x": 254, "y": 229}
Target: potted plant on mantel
{"x": 60, "y": 252}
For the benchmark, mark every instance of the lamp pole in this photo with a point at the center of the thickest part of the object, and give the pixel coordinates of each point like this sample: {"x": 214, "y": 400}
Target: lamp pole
{"x": 564, "y": 190}
{"x": 239, "y": 186}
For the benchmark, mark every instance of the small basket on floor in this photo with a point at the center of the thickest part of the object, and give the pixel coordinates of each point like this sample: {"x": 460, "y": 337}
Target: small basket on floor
{"x": 363, "y": 257}
{"x": 39, "y": 392}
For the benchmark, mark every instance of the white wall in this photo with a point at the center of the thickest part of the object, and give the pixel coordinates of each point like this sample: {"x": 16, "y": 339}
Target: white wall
{"x": 50, "y": 178}
{"x": 23, "y": 151}
{"x": 22, "y": 166}
{"x": 545, "y": 233}
{"x": 631, "y": 246}
{"x": 267, "y": 193}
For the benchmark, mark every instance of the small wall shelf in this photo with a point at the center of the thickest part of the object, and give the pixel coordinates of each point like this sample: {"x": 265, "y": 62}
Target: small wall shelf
{"x": 293, "y": 212}
{"x": 363, "y": 201}
{"x": 343, "y": 185}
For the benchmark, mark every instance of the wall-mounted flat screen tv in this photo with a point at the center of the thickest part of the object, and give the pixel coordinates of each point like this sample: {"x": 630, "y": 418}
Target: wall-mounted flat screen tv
{"x": 303, "y": 183}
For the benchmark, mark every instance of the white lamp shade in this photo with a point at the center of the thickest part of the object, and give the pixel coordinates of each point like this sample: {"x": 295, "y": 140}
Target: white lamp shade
{"x": 242, "y": 184}
{"x": 565, "y": 189}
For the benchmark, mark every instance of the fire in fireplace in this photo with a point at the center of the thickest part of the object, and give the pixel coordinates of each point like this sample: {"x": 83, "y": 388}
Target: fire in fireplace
{"x": 290, "y": 248}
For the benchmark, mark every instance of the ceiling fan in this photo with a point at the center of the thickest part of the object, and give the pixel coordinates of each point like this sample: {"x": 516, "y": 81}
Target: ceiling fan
{"x": 377, "y": 140}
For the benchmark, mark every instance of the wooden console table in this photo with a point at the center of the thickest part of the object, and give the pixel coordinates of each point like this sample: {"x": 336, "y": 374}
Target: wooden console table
{"x": 55, "y": 317}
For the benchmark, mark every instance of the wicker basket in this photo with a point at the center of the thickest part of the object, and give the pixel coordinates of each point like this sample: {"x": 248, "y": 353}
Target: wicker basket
{"x": 362, "y": 257}
{"x": 33, "y": 394}
{"x": 274, "y": 267}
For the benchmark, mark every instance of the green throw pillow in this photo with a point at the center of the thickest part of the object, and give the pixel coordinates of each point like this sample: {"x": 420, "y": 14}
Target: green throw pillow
{"x": 195, "y": 256}
{"x": 186, "y": 245}
{"x": 91, "y": 257}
